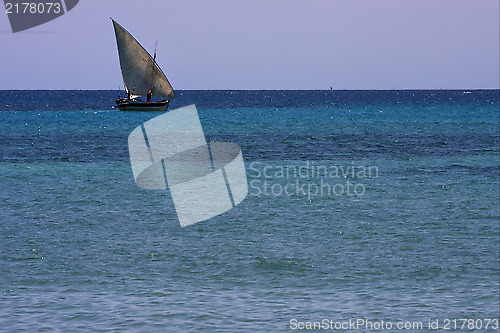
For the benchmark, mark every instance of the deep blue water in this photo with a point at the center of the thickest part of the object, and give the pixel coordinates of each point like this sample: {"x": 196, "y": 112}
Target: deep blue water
{"x": 82, "y": 248}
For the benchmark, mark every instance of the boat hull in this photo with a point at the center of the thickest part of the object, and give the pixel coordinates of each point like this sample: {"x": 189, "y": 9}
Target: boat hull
{"x": 131, "y": 105}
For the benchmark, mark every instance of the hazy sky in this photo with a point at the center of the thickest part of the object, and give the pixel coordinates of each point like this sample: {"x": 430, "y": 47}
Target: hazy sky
{"x": 272, "y": 44}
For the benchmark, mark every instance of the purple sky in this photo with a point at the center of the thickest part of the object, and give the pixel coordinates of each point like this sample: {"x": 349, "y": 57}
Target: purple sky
{"x": 273, "y": 44}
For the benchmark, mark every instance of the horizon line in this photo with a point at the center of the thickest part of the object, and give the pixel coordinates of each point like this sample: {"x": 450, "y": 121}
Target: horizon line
{"x": 401, "y": 89}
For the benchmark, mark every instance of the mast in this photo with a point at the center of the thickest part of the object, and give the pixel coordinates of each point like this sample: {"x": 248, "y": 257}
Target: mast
{"x": 153, "y": 68}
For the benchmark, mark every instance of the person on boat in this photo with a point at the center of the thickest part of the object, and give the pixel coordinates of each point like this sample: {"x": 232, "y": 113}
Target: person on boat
{"x": 148, "y": 97}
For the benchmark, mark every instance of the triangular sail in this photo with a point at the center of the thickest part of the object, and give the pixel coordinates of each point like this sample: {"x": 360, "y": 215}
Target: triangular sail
{"x": 140, "y": 72}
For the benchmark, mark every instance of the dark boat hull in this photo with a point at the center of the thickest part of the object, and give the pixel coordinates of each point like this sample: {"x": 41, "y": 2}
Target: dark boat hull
{"x": 131, "y": 105}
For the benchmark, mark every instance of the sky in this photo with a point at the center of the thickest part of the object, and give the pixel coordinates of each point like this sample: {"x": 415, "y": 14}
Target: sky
{"x": 271, "y": 44}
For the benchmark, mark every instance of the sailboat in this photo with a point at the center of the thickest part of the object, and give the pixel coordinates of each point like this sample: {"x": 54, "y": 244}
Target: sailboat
{"x": 141, "y": 75}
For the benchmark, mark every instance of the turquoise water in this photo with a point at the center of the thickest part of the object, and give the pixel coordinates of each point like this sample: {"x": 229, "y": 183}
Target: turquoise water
{"x": 82, "y": 248}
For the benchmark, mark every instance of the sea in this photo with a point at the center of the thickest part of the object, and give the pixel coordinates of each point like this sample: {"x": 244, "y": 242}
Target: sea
{"x": 366, "y": 211}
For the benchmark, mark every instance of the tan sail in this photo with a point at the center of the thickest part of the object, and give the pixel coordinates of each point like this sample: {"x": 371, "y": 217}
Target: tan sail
{"x": 139, "y": 70}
